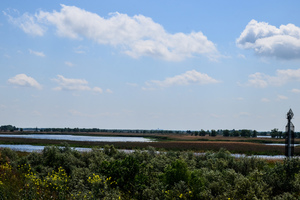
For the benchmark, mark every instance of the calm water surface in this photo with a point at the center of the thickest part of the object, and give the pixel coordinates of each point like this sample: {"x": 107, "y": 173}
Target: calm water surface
{"x": 31, "y": 148}
{"x": 280, "y": 144}
{"x": 80, "y": 138}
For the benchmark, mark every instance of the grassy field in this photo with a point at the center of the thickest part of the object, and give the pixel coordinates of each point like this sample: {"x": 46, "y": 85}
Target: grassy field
{"x": 250, "y": 146}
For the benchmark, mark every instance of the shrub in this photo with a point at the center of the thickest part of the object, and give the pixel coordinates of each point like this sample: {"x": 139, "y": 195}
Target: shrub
{"x": 176, "y": 172}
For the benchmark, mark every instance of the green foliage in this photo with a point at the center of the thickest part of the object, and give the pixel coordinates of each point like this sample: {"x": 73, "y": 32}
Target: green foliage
{"x": 7, "y": 156}
{"x": 64, "y": 173}
{"x": 254, "y": 133}
{"x": 8, "y": 128}
{"x": 226, "y": 133}
{"x": 176, "y": 172}
{"x": 245, "y": 133}
{"x": 213, "y": 133}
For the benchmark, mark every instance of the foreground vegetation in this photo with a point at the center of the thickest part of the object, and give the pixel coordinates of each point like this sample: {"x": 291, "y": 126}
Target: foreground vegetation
{"x": 64, "y": 173}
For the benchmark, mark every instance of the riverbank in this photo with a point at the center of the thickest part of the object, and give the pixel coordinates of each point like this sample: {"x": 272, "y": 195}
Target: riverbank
{"x": 247, "y": 148}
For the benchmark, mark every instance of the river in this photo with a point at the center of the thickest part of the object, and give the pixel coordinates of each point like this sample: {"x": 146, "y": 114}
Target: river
{"x": 80, "y": 138}
{"x": 32, "y": 148}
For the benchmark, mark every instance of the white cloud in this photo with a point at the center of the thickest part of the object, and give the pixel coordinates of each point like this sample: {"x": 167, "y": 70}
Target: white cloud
{"x": 137, "y": 36}
{"x": 281, "y": 97}
{"x": 69, "y": 64}
{"x": 265, "y": 100}
{"x": 295, "y": 90}
{"x": 282, "y": 76}
{"x": 189, "y": 77}
{"x": 109, "y": 91}
{"x": 98, "y": 90}
{"x": 36, "y": 113}
{"x": 79, "y": 114}
{"x": 24, "y": 80}
{"x": 132, "y": 84}
{"x": 28, "y": 23}
{"x": 81, "y": 49}
{"x": 216, "y": 115}
{"x": 36, "y": 53}
{"x": 74, "y": 85}
{"x": 241, "y": 56}
{"x": 242, "y": 114}
{"x": 7, "y": 56}
{"x": 267, "y": 40}
{"x": 71, "y": 84}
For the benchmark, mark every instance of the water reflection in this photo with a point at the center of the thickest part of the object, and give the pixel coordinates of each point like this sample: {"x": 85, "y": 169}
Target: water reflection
{"x": 80, "y": 138}
{"x": 280, "y": 144}
{"x": 31, "y": 148}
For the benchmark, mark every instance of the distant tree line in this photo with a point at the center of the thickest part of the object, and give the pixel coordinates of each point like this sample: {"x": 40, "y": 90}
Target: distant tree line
{"x": 87, "y": 130}
{"x": 275, "y": 133}
{"x": 8, "y": 128}
{"x": 226, "y": 133}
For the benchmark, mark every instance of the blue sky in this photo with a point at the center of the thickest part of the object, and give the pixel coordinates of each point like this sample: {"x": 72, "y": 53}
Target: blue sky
{"x": 182, "y": 65}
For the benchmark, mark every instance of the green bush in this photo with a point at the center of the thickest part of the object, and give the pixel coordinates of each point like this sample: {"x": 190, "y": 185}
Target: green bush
{"x": 64, "y": 173}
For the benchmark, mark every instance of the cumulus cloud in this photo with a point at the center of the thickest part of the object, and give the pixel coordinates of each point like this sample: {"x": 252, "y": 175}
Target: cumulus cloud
{"x": 267, "y": 40}
{"x": 137, "y": 36}
{"x": 71, "y": 84}
{"x": 281, "y": 97}
{"x": 189, "y": 77}
{"x": 265, "y": 100}
{"x": 97, "y": 89}
{"x": 74, "y": 85}
{"x": 28, "y": 23}
{"x": 295, "y": 90}
{"x": 109, "y": 91}
{"x": 25, "y": 81}
{"x": 36, "y": 53}
{"x": 69, "y": 64}
{"x": 282, "y": 76}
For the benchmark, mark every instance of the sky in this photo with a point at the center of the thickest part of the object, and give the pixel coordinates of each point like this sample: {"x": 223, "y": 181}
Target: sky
{"x": 173, "y": 65}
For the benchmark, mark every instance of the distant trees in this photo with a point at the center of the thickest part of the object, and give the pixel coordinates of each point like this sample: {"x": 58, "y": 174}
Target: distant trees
{"x": 245, "y": 133}
{"x": 202, "y": 132}
{"x": 226, "y": 133}
{"x": 276, "y": 134}
{"x": 254, "y": 133}
{"x": 235, "y": 133}
{"x": 213, "y": 133}
{"x": 8, "y": 128}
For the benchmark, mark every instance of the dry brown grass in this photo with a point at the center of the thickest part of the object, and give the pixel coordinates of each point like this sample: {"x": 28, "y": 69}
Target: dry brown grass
{"x": 175, "y": 142}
